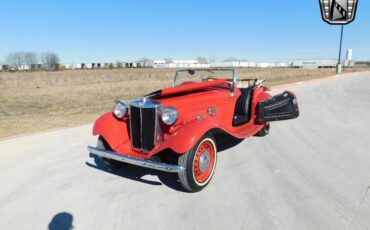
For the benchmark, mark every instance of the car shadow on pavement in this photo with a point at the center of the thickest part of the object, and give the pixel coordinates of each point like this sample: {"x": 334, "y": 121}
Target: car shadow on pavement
{"x": 137, "y": 173}
{"x": 61, "y": 221}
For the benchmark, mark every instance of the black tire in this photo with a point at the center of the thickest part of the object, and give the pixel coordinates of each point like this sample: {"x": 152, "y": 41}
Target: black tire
{"x": 191, "y": 163}
{"x": 112, "y": 164}
{"x": 264, "y": 131}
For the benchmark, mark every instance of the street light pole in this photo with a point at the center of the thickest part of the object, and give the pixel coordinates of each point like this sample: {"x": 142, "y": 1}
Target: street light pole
{"x": 339, "y": 65}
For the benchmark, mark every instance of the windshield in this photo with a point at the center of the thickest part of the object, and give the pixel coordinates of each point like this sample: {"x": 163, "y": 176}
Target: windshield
{"x": 199, "y": 75}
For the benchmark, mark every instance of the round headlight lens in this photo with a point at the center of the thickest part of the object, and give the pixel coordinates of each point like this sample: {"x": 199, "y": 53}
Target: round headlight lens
{"x": 120, "y": 109}
{"x": 169, "y": 115}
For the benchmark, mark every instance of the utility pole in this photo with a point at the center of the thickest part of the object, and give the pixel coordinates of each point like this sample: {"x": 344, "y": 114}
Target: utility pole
{"x": 339, "y": 65}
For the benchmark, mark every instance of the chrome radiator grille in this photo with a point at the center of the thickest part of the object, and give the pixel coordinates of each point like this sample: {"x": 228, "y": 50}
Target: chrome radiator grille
{"x": 144, "y": 128}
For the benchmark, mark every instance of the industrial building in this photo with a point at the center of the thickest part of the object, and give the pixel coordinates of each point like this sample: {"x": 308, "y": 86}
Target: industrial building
{"x": 233, "y": 64}
{"x": 331, "y": 63}
{"x": 178, "y": 64}
{"x": 136, "y": 64}
{"x": 325, "y": 63}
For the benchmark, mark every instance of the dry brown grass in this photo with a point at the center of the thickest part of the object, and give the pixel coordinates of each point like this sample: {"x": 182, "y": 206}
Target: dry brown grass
{"x": 35, "y": 101}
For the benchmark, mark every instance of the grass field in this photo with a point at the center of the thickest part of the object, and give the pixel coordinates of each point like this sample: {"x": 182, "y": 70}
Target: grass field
{"x": 35, "y": 101}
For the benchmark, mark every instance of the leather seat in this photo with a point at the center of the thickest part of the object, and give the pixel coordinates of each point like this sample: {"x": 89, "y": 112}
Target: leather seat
{"x": 243, "y": 107}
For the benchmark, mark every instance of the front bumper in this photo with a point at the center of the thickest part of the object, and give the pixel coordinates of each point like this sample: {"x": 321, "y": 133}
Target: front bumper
{"x": 135, "y": 161}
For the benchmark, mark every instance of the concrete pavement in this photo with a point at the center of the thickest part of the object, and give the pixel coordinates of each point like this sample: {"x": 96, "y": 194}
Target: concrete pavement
{"x": 309, "y": 173}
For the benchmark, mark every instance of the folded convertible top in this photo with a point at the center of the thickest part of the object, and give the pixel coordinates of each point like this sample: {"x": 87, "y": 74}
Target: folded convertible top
{"x": 187, "y": 88}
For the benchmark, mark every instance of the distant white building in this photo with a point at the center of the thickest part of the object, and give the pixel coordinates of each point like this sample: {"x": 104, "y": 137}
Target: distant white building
{"x": 225, "y": 64}
{"x": 265, "y": 65}
{"x": 233, "y": 64}
{"x": 24, "y": 67}
{"x": 328, "y": 63}
{"x": 179, "y": 64}
{"x": 245, "y": 64}
{"x": 281, "y": 64}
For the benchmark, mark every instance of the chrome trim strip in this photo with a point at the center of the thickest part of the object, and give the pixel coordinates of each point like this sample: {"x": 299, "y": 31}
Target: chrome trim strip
{"x": 140, "y": 103}
{"x": 135, "y": 161}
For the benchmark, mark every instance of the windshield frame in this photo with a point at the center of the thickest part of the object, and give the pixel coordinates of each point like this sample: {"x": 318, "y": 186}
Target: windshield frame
{"x": 232, "y": 70}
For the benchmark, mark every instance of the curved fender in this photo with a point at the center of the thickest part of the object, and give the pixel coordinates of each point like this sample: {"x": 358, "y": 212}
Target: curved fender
{"x": 188, "y": 135}
{"x": 114, "y": 131}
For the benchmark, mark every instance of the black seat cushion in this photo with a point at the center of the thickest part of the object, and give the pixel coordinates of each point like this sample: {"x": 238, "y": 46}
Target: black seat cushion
{"x": 243, "y": 106}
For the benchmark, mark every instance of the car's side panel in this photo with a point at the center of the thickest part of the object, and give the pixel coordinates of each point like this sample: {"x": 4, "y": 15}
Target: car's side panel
{"x": 259, "y": 94}
{"x": 189, "y": 134}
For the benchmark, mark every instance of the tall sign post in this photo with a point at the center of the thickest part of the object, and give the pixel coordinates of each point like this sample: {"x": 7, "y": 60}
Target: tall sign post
{"x": 338, "y": 12}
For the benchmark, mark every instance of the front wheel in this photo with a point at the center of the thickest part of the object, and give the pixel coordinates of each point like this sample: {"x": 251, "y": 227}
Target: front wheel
{"x": 112, "y": 164}
{"x": 199, "y": 164}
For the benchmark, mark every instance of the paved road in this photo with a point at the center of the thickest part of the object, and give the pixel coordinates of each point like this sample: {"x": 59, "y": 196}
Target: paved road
{"x": 309, "y": 173}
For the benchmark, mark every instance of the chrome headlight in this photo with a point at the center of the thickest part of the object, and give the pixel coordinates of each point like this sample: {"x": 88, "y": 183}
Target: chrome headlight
{"x": 169, "y": 115}
{"x": 120, "y": 109}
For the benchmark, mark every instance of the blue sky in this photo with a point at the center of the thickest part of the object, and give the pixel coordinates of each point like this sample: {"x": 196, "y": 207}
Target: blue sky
{"x": 89, "y": 31}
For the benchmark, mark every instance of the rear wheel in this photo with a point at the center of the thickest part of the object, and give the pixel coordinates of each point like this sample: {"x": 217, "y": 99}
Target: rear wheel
{"x": 113, "y": 164}
{"x": 199, "y": 164}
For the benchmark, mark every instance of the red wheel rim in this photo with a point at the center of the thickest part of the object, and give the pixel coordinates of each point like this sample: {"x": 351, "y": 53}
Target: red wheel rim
{"x": 204, "y": 161}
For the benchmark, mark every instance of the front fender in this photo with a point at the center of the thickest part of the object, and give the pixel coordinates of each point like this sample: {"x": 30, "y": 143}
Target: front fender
{"x": 114, "y": 131}
{"x": 188, "y": 135}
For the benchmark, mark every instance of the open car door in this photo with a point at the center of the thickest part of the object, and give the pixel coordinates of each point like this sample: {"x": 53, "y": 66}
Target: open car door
{"x": 280, "y": 107}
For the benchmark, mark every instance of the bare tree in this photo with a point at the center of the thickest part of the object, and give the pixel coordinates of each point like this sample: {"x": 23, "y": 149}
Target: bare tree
{"x": 168, "y": 60}
{"x": 50, "y": 60}
{"x": 212, "y": 59}
{"x": 231, "y": 59}
{"x": 30, "y": 59}
{"x": 146, "y": 62}
{"x": 15, "y": 60}
{"x": 119, "y": 64}
{"x": 202, "y": 60}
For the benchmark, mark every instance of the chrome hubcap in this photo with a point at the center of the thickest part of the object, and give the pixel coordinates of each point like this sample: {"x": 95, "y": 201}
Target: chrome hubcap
{"x": 204, "y": 161}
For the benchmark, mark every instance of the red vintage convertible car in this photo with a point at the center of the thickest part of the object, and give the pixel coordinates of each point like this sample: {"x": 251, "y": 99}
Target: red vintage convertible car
{"x": 178, "y": 129}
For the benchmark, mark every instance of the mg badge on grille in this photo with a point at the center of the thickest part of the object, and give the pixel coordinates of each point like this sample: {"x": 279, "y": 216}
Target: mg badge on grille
{"x": 338, "y": 12}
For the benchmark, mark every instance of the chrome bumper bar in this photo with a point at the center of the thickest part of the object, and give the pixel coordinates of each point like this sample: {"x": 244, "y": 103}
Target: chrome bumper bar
{"x": 135, "y": 161}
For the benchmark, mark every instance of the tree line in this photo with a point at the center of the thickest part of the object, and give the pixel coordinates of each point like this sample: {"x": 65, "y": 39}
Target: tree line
{"x": 31, "y": 61}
